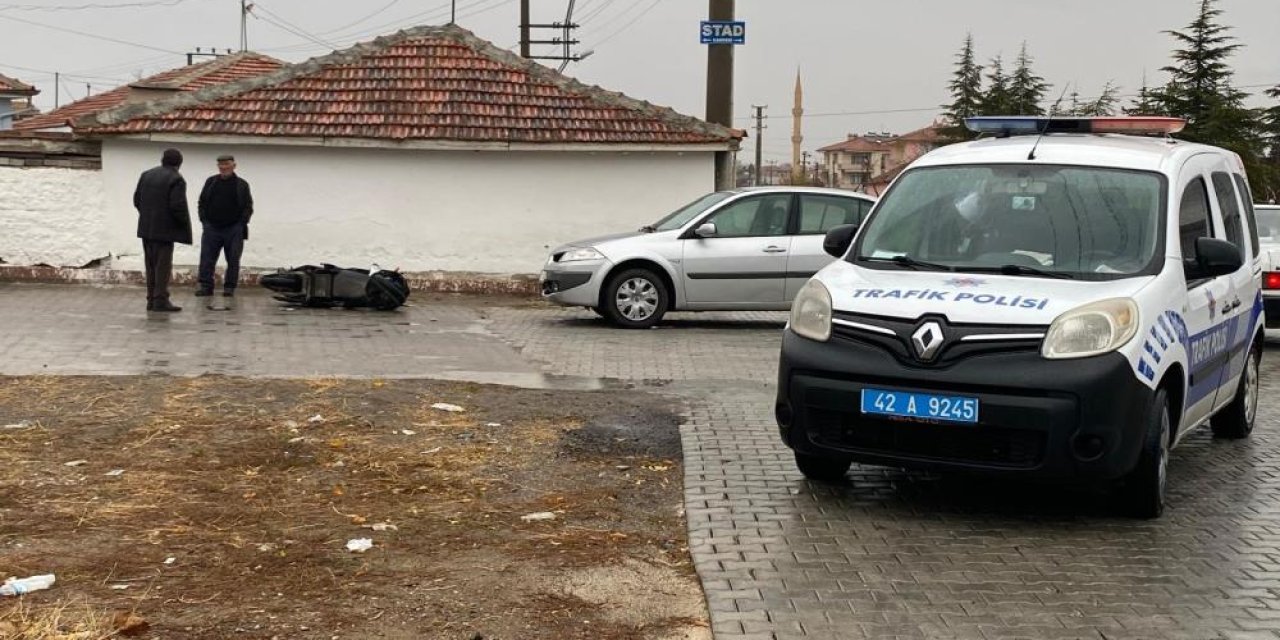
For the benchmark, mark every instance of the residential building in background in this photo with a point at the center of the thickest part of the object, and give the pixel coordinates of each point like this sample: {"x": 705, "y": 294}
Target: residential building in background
{"x": 15, "y": 100}
{"x": 868, "y": 163}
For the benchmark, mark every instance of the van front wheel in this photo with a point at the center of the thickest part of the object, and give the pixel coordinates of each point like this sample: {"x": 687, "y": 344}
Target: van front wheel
{"x": 1143, "y": 488}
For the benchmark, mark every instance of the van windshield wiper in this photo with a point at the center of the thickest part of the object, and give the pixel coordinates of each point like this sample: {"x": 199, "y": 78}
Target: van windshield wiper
{"x": 648, "y": 228}
{"x": 909, "y": 262}
{"x": 1022, "y": 270}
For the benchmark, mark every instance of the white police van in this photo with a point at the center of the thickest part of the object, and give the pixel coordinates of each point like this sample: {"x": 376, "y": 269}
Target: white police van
{"x": 1053, "y": 301}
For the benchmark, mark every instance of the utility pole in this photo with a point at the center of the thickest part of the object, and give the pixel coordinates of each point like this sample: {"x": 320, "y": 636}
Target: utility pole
{"x": 564, "y": 39}
{"x": 803, "y": 169}
{"x": 720, "y": 91}
{"x": 244, "y": 25}
{"x": 524, "y": 29}
{"x": 759, "y": 139}
{"x": 57, "y": 84}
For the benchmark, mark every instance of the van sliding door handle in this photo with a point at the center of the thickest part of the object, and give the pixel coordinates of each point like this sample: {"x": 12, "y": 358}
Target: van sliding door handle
{"x": 772, "y": 249}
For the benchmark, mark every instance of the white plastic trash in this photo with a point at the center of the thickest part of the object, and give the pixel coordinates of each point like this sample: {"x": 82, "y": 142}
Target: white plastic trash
{"x": 17, "y": 587}
{"x": 359, "y": 545}
{"x": 445, "y": 406}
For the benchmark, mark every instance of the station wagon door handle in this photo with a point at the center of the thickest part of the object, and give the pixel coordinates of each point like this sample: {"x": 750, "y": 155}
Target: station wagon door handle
{"x": 774, "y": 249}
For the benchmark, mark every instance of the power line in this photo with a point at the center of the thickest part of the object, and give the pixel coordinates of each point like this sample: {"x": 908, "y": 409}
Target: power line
{"x": 371, "y": 16}
{"x": 344, "y": 33}
{"x": 85, "y": 34}
{"x": 627, "y": 25}
{"x": 286, "y": 25}
{"x": 89, "y": 7}
{"x": 876, "y": 112}
{"x": 44, "y": 72}
{"x": 596, "y": 11}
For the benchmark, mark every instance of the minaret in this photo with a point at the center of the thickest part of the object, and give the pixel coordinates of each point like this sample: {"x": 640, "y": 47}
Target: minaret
{"x": 797, "y": 137}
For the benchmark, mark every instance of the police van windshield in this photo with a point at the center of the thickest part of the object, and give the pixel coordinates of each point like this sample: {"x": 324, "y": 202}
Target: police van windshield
{"x": 1029, "y": 220}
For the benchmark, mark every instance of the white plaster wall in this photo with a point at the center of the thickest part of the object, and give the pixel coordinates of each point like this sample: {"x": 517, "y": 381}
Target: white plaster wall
{"x": 51, "y": 216}
{"x": 489, "y": 212}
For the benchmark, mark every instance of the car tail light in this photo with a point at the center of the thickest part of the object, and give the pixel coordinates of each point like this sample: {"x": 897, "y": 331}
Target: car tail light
{"x": 1271, "y": 280}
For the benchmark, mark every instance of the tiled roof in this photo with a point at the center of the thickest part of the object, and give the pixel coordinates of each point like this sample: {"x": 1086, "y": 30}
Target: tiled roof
{"x": 863, "y": 144}
{"x": 423, "y": 84}
{"x": 859, "y": 144}
{"x": 13, "y": 86}
{"x": 190, "y": 78}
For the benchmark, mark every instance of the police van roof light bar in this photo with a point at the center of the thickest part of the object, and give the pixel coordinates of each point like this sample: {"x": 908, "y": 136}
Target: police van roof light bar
{"x": 1030, "y": 125}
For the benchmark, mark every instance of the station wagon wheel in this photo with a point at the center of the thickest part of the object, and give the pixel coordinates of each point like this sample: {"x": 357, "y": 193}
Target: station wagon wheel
{"x": 635, "y": 299}
{"x": 1236, "y": 420}
{"x": 1143, "y": 488}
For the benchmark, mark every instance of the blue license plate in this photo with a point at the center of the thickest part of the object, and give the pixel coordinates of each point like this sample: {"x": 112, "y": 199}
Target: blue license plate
{"x": 922, "y": 406}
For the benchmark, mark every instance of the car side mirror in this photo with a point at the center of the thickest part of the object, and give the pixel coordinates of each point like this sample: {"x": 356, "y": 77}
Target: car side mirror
{"x": 838, "y": 239}
{"x": 1214, "y": 258}
{"x": 705, "y": 230}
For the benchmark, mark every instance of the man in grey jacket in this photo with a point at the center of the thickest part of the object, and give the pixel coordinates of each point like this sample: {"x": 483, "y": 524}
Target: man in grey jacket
{"x": 163, "y": 219}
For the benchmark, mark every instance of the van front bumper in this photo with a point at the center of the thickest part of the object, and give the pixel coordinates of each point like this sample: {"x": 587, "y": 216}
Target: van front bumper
{"x": 1066, "y": 419}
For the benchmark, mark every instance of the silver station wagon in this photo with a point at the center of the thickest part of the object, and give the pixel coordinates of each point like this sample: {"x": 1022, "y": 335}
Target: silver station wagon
{"x": 749, "y": 249}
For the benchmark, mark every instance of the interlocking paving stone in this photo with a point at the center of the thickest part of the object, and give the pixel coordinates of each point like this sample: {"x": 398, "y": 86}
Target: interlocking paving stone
{"x": 890, "y": 554}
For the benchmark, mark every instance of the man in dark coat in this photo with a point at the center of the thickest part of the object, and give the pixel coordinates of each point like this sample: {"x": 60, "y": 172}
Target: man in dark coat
{"x": 163, "y": 219}
{"x": 225, "y": 208}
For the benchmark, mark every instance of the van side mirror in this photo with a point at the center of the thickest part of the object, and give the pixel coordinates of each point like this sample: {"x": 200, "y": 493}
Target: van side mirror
{"x": 705, "y": 230}
{"x": 838, "y": 239}
{"x": 1214, "y": 258}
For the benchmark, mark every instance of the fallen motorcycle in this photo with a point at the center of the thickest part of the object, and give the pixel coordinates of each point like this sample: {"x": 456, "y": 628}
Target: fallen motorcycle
{"x": 329, "y": 286}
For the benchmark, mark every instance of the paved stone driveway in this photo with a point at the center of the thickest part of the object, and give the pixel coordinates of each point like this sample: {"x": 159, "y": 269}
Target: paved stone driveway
{"x": 891, "y": 554}
{"x": 905, "y": 555}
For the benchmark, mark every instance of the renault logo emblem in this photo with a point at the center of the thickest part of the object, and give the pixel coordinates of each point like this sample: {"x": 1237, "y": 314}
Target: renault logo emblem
{"x": 927, "y": 340}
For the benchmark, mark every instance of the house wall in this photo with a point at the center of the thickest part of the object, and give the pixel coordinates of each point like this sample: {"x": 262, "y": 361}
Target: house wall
{"x": 50, "y": 215}
{"x": 486, "y": 212}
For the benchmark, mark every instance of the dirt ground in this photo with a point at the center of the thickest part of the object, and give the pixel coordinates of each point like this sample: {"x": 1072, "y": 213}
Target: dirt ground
{"x": 219, "y": 508}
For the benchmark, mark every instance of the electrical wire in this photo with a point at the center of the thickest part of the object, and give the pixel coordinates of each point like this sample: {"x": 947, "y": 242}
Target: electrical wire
{"x": 51, "y": 74}
{"x": 440, "y": 12}
{"x": 87, "y": 35}
{"x": 282, "y": 23}
{"x": 628, "y": 25}
{"x": 938, "y": 109}
{"x": 89, "y": 7}
{"x": 596, "y": 11}
{"x": 367, "y": 18}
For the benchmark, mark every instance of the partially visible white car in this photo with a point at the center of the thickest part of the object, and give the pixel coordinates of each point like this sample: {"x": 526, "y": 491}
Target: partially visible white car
{"x": 1268, "y": 216}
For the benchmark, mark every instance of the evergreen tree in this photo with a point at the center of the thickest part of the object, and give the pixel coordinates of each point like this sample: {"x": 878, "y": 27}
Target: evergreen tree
{"x": 997, "y": 101}
{"x": 966, "y": 92}
{"x": 1073, "y": 107}
{"x": 1104, "y": 104}
{"x": 1026, "y": 89}
{"x": 1200, "y": 90}
{"x": 1144, "y": 104}
{"x": 1268, "y": 187}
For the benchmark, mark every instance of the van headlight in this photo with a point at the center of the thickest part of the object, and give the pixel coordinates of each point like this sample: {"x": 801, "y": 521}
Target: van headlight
{"x": 1093, "y": 329}
{"x": 811, "y": 312}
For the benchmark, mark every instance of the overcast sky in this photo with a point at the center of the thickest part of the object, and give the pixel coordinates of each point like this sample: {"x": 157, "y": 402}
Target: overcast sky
{"x": 887, "y": 61}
